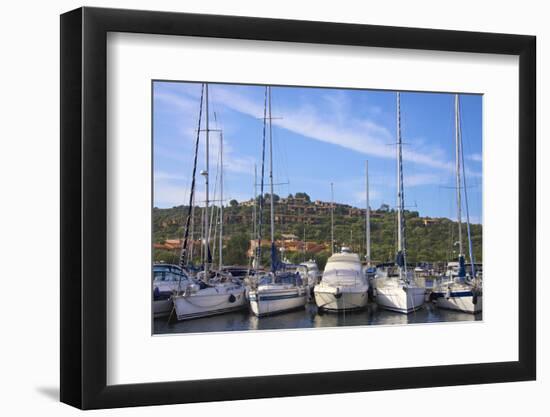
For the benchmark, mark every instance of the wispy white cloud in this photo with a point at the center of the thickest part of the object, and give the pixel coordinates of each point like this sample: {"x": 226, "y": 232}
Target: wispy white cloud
{"x": 330, "y": 118}
{"x": 335, "y": 126}
{"x": 475, "y": 219}
{"x": 415, "y": 180}
{"x": 167, "y": 194}
{"x": 476, "y": 157}
{"x": 161, "y": 176}
{"x": 172, "y": 189}
{"x": 179, "y": 102}
{"x": 232, "y": 161}
{"x": 361, "y": 198}
{"x": 185, "y": 100}
{"x": 338, "y": 128}
{"x": 170, "y": 194}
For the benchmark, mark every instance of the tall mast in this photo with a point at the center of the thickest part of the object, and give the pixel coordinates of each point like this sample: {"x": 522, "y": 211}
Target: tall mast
{"x": 367, "y": 214}
{"x": 221, "y": 203}
{"x": 192, "y": 233}
{"x": 255, "y": 202}
{"x": 202, "y": 235}
{"x": 458, "y": 182}
{"x": 271, "y": 206}
{"x": 400, "y": 195}
{"x": 304, "y": 245}
{"x": 206, "y": 173}
{"x": 183, "y": 254}
{"x": 261, "y": 205}
{"x": 271, "y": 199}
{"x": 470, "y": 248}
{"x": 332, "y": 218}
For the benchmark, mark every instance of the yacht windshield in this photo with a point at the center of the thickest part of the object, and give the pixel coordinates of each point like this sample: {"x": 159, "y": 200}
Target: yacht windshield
{"x": 265, "y": 280}
{"x": 293, "y": 279}
{"x": 167, "y": 273}
{"x": 343, "y": 277}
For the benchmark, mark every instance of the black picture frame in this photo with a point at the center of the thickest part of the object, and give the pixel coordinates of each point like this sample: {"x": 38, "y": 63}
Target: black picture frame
{"x": 84, "y": 207}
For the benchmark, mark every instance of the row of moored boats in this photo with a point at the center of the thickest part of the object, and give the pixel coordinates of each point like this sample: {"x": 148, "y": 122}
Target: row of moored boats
{"x": 346, "y": 283}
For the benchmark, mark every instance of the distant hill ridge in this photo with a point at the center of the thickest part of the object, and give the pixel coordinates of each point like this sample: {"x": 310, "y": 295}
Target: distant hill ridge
{"x": 428, "y": 239}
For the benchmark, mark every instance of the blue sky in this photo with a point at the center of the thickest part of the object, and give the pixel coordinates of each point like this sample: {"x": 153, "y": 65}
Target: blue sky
{"x": 321, "y": 136}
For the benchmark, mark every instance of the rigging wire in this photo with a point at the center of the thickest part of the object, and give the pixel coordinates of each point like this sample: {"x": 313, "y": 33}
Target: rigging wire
{"x": 261, "y": 202}
{"x": 189, "y": 212}
{"x": 472, "y": 260}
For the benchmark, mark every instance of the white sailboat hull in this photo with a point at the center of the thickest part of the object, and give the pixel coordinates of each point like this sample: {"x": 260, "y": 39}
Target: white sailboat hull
{"x": 336, "y": 299}
{"x": 401, "y": 299}
{"x": 464, "y": 304}
{"x": 162, "y": 297}
{"x": 344, "y": 284}
{"x": 273, "y": 301}
{"x": 162, "y": 308}
{"x": 458, "y": 300}
{"x": 209, "y": 301}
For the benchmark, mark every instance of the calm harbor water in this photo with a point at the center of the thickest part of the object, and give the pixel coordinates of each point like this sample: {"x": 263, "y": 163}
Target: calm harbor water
{"x": 309, "y": 317}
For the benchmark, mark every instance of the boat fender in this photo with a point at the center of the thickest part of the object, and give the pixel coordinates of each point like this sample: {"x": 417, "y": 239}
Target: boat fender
{"x": 232, "y": 298}
{"x": 448, "y": 294}
{"x": 431, "y": 297}
{"x": 338, "y": 293}
{"x": 156, "y": 293}
{"x": 474, "y": 298}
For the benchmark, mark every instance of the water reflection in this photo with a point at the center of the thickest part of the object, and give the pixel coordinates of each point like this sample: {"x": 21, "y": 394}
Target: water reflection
{"x": 310, "y": 318}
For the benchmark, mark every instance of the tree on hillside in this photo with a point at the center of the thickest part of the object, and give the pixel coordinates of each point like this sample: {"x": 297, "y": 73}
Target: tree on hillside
{"x": 233, "y": 203}
{"x": 166, "y": 256}
{"x": 430, "y": 241}
{"x": 235, "y": 251}
{"x": 302, "y": 195}
{"x": 275, "y": 197}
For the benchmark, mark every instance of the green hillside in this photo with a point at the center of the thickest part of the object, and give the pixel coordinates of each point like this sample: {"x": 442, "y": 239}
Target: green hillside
{"x": 428, "y": 239}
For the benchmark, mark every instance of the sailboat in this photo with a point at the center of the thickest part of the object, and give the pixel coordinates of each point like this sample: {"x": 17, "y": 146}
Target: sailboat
{"x": 458, "y": 290}
{"x": 166, "y": 280}
{"x": 370, "y": 270}
{"x": 309, "y": 269}
{"x": 278, "y": 290}
{"x": 210, "y": 292}
{"x": 344, "y": 285}
{"x": 311, "y": 272}
{"x": 399, "y": 292}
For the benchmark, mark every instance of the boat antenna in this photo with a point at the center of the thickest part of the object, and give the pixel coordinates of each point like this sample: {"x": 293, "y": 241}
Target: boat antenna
{"x": 192, "y": 193}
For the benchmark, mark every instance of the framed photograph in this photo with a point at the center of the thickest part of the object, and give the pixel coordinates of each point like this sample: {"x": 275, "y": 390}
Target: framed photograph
{"x": 259, "y": 208}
